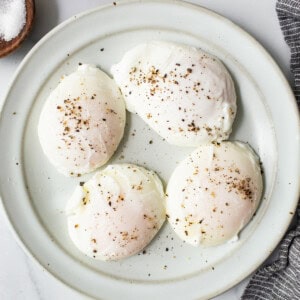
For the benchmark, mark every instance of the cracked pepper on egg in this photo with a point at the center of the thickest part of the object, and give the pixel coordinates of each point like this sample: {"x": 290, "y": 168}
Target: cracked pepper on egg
{"x": 213, "y": 193}
{"x": 82, "y": 121}
{"x": 117, "y": 212}
{"x": 183, "y": 93}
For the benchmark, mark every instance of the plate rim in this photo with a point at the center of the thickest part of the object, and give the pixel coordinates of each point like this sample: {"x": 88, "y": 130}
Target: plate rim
{"x": 35, "y": 48}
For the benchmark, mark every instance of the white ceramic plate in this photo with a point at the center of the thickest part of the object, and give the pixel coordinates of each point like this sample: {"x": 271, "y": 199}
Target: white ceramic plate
{"x": 34, "y": 194}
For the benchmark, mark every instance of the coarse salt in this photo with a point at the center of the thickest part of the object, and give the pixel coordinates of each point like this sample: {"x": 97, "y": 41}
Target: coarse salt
{"x": 12, "y": 18}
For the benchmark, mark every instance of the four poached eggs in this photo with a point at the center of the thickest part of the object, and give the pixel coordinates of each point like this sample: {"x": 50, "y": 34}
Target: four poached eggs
{"x": 187, "y": 96}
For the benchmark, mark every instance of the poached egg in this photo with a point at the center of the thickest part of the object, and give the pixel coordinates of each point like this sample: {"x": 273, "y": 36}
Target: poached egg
{"x": 213, "y": 193}
{"x": 82, "y": 121}
{"x": 183, "y": 93}
{"x": 117, "y": 212}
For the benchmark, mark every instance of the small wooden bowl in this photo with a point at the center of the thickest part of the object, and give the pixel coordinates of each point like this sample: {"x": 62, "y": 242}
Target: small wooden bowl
{"x": 7, "y": 47}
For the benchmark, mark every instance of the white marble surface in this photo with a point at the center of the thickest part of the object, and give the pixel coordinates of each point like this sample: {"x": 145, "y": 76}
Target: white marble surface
{"x": 22, "y": 278}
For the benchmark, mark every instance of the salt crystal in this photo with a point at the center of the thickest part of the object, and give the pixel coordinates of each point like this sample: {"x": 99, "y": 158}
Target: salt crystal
{"x": 12, "y": 18}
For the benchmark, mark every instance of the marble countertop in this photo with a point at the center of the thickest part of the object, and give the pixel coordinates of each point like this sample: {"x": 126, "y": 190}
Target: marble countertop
{"x": 22, "y": 278}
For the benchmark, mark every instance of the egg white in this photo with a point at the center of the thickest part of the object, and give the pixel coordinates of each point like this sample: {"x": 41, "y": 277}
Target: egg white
{"x": 213, "y": 193}
{"x": 82, "y": 121}
{"x": 183, "y": 93}
{"x": 117, "y": 212}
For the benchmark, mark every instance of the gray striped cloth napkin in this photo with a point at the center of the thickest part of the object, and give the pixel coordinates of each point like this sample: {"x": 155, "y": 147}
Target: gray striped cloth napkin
{"x": 281, "y": 279}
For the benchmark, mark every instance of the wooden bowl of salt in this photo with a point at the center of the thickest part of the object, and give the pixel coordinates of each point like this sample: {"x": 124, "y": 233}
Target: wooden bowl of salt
{"x": 16, "y": 20}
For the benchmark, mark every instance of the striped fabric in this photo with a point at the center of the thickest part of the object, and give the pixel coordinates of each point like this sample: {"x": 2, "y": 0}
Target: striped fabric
{"x": 281, "y": 279}
{"x": 288, "y": 12}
